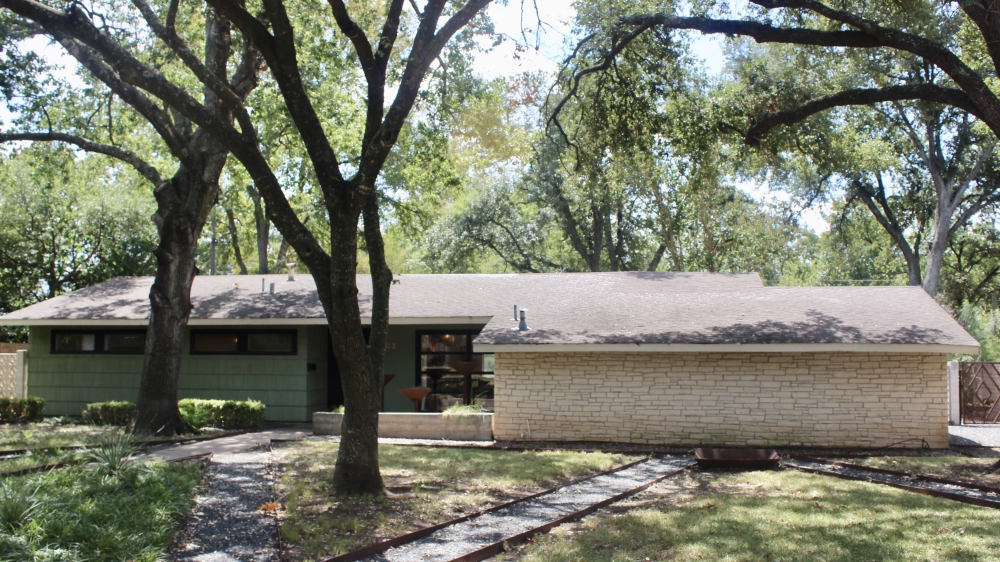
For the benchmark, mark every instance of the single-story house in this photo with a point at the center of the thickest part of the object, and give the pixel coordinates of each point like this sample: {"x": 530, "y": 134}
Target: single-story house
{"x": 666, "y": 358}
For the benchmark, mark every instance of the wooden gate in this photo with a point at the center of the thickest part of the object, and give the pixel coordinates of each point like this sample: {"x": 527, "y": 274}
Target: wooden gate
{"x": 980, "y": 392}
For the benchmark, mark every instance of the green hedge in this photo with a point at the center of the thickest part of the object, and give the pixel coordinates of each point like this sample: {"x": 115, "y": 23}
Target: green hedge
{"x": 109, "y": 413}
{"x": 21, "y": 409}
{"x": 225, "y": 414}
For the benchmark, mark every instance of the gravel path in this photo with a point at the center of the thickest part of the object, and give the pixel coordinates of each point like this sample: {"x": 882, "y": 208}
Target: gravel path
{"x": 975, "y": 435}
{"x": 469, "y": 536}
{"x": 880, "y": 478}
{"x": 226, "y": 525}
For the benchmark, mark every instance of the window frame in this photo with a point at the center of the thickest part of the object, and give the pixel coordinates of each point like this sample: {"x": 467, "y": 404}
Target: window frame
{"x": 242, "y": 339}
{"x": 98, "y": 340}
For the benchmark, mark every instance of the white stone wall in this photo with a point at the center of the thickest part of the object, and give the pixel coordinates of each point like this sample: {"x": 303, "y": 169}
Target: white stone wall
{"x": 740, "y": 399}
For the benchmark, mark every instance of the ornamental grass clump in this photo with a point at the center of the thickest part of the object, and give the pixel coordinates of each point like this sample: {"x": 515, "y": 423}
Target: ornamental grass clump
{"x": 113, "y": 455}
{"x": 18, "y": 506}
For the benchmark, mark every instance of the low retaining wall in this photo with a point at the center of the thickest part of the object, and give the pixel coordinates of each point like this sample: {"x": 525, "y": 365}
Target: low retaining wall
{"x": 470, "y": 427}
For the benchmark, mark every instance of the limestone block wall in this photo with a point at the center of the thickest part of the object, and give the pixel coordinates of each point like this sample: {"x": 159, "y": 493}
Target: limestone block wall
{"x": 740, "y": 399}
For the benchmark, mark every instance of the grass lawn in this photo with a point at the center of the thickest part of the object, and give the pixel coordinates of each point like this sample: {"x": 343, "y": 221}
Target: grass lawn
{"x": 40, "y": 435}
{"x": 775, "y": 515}
{"x": 80, "y": 514}
{"x": 427, "y": 485}
{"x": 976, "y": 470}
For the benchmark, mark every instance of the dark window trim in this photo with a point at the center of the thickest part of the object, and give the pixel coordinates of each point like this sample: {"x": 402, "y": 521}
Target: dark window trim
{"x": 242, "y": 335}
{"x": 98, "y": 341}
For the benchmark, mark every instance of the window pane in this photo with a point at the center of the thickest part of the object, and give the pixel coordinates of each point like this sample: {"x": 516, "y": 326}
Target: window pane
{"x": 488, "y": 363}
{"x": 134, "y": 342}
{"x": 271, "y": 343}
{"x": 444, "y": 343}
{"x": 224, "y": 342}
{"x": 69, "y": 343}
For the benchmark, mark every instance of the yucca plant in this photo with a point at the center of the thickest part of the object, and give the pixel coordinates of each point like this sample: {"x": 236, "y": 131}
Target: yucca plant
{"x": 17, "y": 506}
{"x": 113, "y": 454}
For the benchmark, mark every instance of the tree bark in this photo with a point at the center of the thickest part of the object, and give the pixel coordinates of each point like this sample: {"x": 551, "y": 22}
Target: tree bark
{"x": 357, "y": 469}
{"x": 183, "y": 205}
{"x": 235, "y": 237}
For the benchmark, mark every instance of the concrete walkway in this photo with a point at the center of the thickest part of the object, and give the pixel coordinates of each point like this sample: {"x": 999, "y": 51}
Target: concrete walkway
{"x": 975, "y": 435}
{"x": 232, "y": 444}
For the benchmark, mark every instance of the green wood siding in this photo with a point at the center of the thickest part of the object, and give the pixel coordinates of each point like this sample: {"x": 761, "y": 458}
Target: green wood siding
{"x": 68, "y": 382}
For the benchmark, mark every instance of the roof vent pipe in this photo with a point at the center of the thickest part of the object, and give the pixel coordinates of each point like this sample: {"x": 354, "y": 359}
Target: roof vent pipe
{"x": 272, "y": 288}
{"x": 262, "y": 284}
{"x": 291, "y": 271}
{"x": 523, "y": 325}
{"x": 515, "y": 313}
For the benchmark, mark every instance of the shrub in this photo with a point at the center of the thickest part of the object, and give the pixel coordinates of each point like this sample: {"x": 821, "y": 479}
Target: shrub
{"x": 226, "y": 414}
{"x": 114, "y": 453}
{"x": 195, "y": 417}
{"x": 21, "y": 409}
{"x": 109, "y": 413}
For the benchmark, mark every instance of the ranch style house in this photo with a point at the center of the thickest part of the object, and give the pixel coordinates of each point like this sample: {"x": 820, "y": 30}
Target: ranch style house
{"x": 655, "y": 358}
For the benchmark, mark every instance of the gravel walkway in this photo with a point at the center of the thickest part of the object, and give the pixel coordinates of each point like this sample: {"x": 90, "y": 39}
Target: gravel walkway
{"x": 226, "y": 525}
{"x": 469, "y": 536}
{"x": 975, "y": 435}
{"x": 881, "y": 478}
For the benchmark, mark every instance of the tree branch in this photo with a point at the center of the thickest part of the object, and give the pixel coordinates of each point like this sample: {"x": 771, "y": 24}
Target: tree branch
{"x": 862, "y": 96}
{"x": 132, "y": 159}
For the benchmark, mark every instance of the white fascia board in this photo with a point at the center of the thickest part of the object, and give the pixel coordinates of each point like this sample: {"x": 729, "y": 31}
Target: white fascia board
{"x": 727, "y": 348}
{"x": 393, "y": 321}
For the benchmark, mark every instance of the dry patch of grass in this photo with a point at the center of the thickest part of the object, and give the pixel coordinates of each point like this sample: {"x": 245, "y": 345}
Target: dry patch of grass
{"x": 40, "y": 435}
{"x": 978, "y": 470}
{"x": 775, "y": 515}
{"x": 427, "y": 485}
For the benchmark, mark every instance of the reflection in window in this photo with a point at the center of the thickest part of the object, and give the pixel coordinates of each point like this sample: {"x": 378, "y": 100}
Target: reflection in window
{"x": 271, "y": 342}
{"x": 442, "y": 357}
{"x": 215, "y": 342}
{"x": 129, "y": 342}
{"x": 244, "y": 342}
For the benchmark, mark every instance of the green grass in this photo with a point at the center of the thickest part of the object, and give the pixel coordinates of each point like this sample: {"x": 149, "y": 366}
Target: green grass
{"x": 47, "y": 434}
{"x": 427, "y": 485}
{"x": 976, "y": 470}
{"x": 779, "y": 515}
{"x": 86, "y": 516}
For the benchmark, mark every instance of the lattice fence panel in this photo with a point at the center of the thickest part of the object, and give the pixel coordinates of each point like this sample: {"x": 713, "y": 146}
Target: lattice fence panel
{"x": 8, "y": 373}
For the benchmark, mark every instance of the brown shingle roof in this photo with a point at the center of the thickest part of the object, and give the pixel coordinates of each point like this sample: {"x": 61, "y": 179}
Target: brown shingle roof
{"x": 563, "y": 308}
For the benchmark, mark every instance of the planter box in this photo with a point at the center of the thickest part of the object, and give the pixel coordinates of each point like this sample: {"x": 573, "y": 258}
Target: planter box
{"x": 472, "y": 427}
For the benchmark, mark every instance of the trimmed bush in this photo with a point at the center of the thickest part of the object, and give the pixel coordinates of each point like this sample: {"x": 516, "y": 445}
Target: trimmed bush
{"x": 109, "y": 413}
{"x": 225, "y": 414}
{"x": 21, "y": 409}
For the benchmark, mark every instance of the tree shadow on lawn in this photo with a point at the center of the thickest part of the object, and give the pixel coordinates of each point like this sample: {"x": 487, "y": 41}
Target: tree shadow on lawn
{"x": 427, "y": 485}
{"x": 783, "y": 516}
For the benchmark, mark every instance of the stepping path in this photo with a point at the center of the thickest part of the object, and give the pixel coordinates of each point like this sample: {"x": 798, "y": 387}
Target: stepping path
{"x": 472, "y": 535}
{"x": 231, "y": 444}
{"x": 226, "y": 525}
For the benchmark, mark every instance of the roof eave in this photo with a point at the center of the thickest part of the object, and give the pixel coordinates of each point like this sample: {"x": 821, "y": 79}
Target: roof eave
{"x": 728, "y": 348}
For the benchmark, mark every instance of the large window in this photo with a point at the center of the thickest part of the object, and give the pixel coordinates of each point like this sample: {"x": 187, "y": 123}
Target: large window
{"x": 453, "y": 370}
{"x": 124, "y": 342}
{"x": 244, "y": 342}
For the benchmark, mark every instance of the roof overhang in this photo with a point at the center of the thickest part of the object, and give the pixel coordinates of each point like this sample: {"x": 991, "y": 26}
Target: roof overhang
{"x": 393, "y": 321}
{"x": 727, "y": 348}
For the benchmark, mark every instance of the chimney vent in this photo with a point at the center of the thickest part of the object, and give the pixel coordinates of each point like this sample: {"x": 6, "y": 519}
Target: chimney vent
{"x": 291, "y": 271}
{"x": 523, "y": 325}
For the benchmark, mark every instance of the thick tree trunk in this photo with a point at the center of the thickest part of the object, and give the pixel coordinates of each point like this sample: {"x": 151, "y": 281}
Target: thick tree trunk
{"x": 935, "y": 256}
{"x": 357, "y": 468}
{"x": 183, "y": 206}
